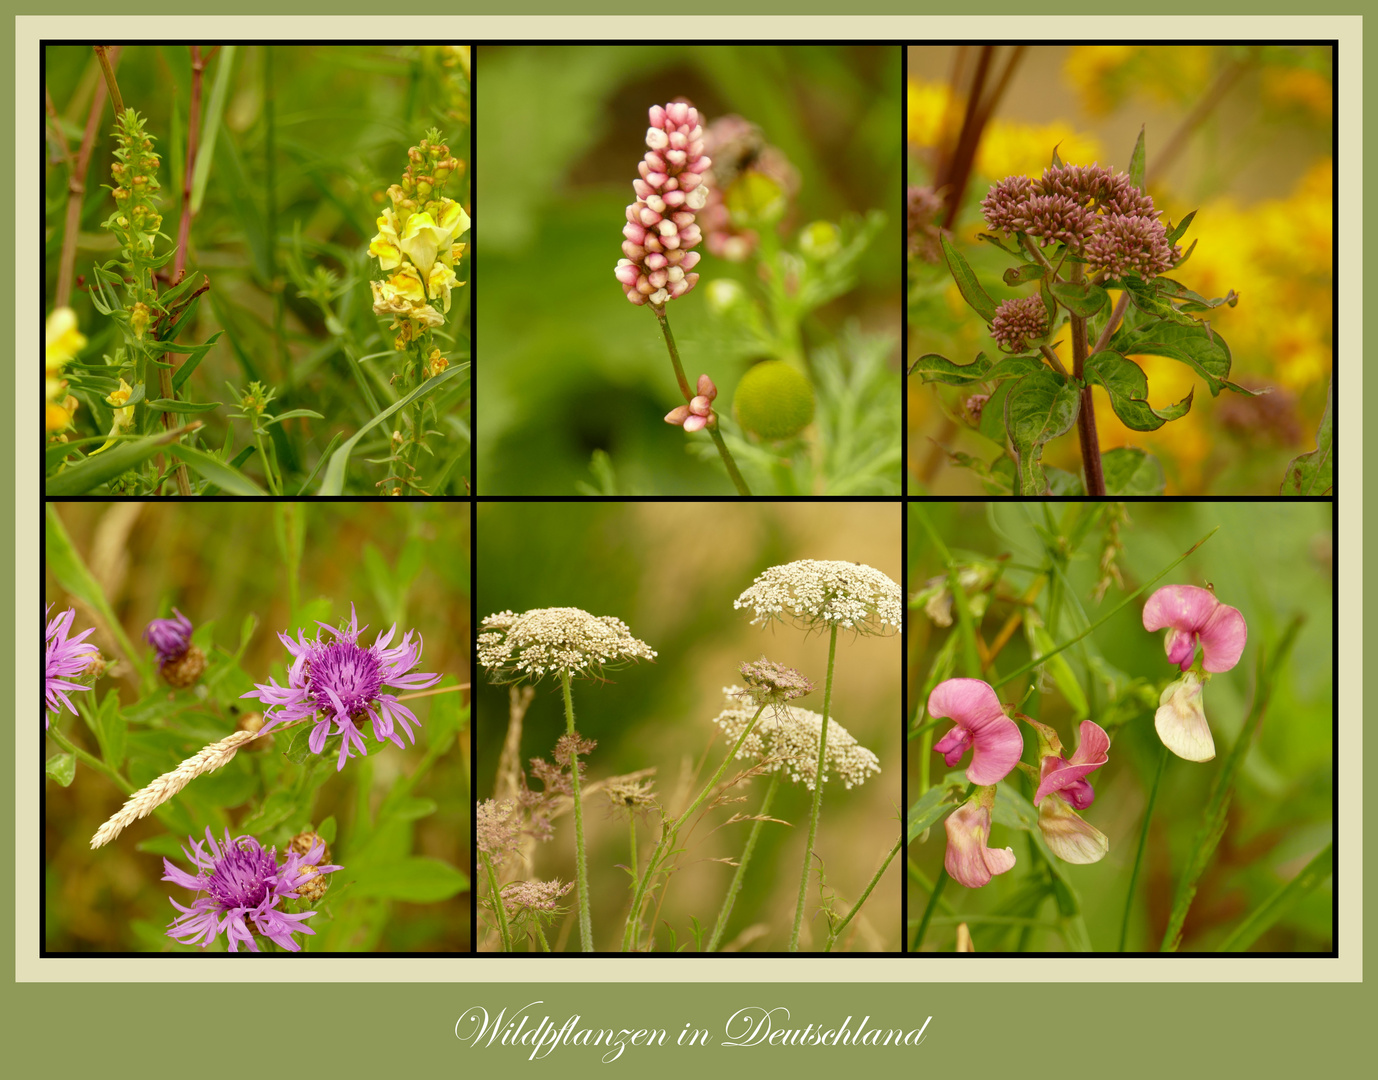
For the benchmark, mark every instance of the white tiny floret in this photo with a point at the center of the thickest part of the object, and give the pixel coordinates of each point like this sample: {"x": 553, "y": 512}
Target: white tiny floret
{"x": 553, "y": 640}
{"x": 656, "y": 138}
{"x": 826, "y": 593}
{"x": 785, "y": 739}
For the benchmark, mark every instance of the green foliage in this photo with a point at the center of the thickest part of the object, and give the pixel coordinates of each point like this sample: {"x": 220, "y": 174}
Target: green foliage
{"x": 1314, "y": 473}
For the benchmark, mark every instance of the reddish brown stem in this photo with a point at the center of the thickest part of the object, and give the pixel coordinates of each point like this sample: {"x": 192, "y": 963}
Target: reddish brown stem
{"x": 198, "y": 67}
{"x": 1086, "y": 416}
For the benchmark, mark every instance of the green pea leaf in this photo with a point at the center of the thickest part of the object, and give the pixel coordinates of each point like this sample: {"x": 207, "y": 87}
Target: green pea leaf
{"x": 934, "y": 805}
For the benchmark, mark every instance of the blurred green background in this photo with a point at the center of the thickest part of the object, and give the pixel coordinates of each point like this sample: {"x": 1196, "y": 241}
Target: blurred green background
{"x": 569, "y": 365}
{"x": 1270, "y": 560}
{"x": 220, "y": 563}
{"x": 671, "y": 571}
{"x": 1242, "y": 134}
{"x": 311, "y": 138}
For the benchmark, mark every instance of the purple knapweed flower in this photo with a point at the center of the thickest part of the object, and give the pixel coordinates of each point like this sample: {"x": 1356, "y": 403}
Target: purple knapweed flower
{"x": 1016, "y": 322}
{"x": 698, "y": 413}
{"x": 345, "y": 681}
{"x": 241, "y": 887}
{"x": 968, "y": 860}
{"x": 660, "y": 229}
{"x": 982, "y": 726}
{"x": 64, "y": 657}
{"x": 1067, "y": 778}
{"x": 170, "y": 637}
{"x": 1193, "y": 615}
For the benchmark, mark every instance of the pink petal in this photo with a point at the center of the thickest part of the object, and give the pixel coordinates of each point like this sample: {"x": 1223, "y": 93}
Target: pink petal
{"x": 1181, "y": 720}
{"x": 678, "y": 415}
{"x": 996, "y": 742}
{"x": 968, "y": 861}
{"x": 695, "y": 423}
{"x": 1191, "y": 613}
{"x": 1068, "y": 778}
{"x": 706, "y": 387}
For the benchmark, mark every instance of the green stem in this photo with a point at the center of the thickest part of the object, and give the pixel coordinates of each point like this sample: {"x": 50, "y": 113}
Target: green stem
{"x": 728, "y": 462}
{"x": 635, "y": 864}
{"x": 273, "y": 486}
{"x": 817, "y": 794}
{"x": 91, "y": 762}
{"x": 866, "y": 893}
{"x": 740, "y": 876}
{"x": 1143, "y": 842}
{"x": 937, "y": 892}
{"x": 503, "y": 932}
{"x": 540, "y": 936}
{"x": 581, "y": 864}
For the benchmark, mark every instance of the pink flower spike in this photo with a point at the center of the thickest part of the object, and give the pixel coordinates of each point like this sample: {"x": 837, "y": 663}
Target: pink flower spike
{"x": 1069, "y": 837}
{"x": 982, "y": 725}
{"x": 1068, "y": 778}
{"x": 1181, "y": 720}
{"x": 968, "y": 860}
{"x": 1193, "y": 614}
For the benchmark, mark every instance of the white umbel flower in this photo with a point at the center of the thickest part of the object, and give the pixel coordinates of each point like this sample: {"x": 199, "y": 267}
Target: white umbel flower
{"x": 553, "y": 640}
{"x": 815, "y": 593}
{"x": 786, "y": 739}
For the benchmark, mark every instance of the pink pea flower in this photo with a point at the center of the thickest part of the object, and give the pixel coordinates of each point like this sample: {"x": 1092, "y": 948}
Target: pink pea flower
{"x": 1068, "y": 836}
{"x": 1181, "y": 720}
{"x": 698, "y": 413}
{"x": 1192, "y": 615}
{"x": 968, "y": 860}
{"x": 982, "y": 726}
{"x": 1067, "y": 778}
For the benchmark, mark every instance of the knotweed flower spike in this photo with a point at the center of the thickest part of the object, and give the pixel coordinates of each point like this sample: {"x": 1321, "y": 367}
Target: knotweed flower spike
{"x": 242, "y": 887}
{"x": 180, "y": 663}
{"x": 820, "y": 594}
{"x": 968, "y": 860}
{"x": 346, "y": 682}
{"x": 785, "y": 739}
{"x": 660, "y": 230}
{"x": 553, "y": 641}
{"x": 1192, "y": 616}
{"x": 64, "y": 657}
{"x": 982, "y": 727}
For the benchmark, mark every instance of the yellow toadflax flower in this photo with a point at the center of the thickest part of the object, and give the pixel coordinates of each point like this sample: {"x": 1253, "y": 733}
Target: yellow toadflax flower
{"x": 124, "y": 414}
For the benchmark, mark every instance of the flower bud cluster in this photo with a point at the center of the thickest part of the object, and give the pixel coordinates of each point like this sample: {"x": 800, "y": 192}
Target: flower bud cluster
{"x": 1017, "y": 322}
{"x": 417, "y": 242}
{"x": 699, "y": 412}
{"x": 660, "y": 230}
{"x": 1098, "y": 213}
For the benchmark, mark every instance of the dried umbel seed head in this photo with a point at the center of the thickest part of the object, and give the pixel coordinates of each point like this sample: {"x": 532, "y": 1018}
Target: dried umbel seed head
{"x": 629, "y": 795}
{"x": 661, "y": 230}
{"x": 786, "y": 739}
{"x": 1018, "y": 322}
{"x": 769, "y": 683}
{"x": 820, "y": 594}
{"x": 555, "y": 641}
{"x": 774, "y": 400}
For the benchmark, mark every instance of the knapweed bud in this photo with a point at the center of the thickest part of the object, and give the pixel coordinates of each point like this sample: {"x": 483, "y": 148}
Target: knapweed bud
{"x": 773, "y": 400}
{"x": 311, "y": 885}
{"x": 180, "y": 663}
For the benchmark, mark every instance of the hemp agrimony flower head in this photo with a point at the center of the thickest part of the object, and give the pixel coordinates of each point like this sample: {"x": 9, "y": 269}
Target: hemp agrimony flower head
{"x": 769, "y": 683}
{"x": 821, "y": 594}
{"x": 417, "y": 241}
{"x": 660, "y": 230}
{"x": 346, "y": 683}
{"x": 63, "y": 658}
{"x": 1018, "y": 322}
{"x": 180, "y": 663}
{"x": 555, "y": 640}
{"x": 785, "y": 739}
{"x": 240, "y": 886}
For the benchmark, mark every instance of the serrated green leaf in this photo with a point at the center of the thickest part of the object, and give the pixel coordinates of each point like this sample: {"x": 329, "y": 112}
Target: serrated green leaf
{"x": 1314, "y": 473}
{"x": 1192, "y": 345}
{"x": 1080, "y": 297}
{"x": 416, "y": 880}
{"x": 1127, "y": 386}
{"x": 967, "y": 283}
{"x": 1130, "y": 471}
{"x": 933, "y": 368}
{"x": 62, "y": 768}
{"x": 1040, "y": 407}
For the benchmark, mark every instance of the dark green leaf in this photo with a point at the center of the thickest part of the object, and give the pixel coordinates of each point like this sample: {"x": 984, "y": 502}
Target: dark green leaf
{"x": 934, "y": 805}
{"x": 933, "y": 368}
{"x": 194, "y": 358}
{"x": 1282, "y": 901}
{"x": 1314, "y": 473}
{"x": 1180, "y": 230}
{"x": 1018, "y": 275}
{"x": 1192, "y": 345}
{"x": 1130, "y": 471}
{"x": 1137, "y": 161}
{"x": 1040, "y": 407}
{"x": 1061, "y": 482}
{"x": 1080, "y": 298}
{"x": 1002, "y": 481}
{"x": 967, "y": 283}
{"x": 992, "y": 424}
{"x": 62, "y": 768}
{"x": 416, "y": 880}
{"x": 1127, "y": 386}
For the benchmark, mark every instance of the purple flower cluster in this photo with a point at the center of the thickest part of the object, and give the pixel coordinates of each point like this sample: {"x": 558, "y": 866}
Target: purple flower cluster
{"x": 1016, "y": 322}
{"x": 241, "y": 887}
{"x": 64, "y": 657}
{"x": 346, "y": 682}
{"x": 660, "y": 229}
{"x": 1098, "y": 213}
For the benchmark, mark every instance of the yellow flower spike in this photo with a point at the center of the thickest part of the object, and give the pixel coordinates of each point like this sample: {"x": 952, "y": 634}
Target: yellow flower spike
{"x": 124, "y": 415}
{"x": 452, "y": 218}
{"x": 440, "y": 282}
{"x": 421, "y": 241}
{"x": 62, "y": 339}
{"x": 138, "y": 320}
{"x": 386, "y": 246}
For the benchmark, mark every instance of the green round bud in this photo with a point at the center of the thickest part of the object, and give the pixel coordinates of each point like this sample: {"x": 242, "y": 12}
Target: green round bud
{"x": 773, "y": 400}
{"x": 820, "y": 240}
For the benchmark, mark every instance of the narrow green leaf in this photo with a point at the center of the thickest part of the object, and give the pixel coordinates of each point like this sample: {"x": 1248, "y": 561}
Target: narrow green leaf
{"x": 1180, "y": 230}
{"x": 1314, "y": 473}
{"x": 65, "y": 564}
{"x": 210, "y": 127}
{"x": 333, "y": 481}
{"x": 100, "y": 468}
{"x": 1040, "y": 407}
{"x": 966, "y": 280}
{"x": 171, "y": 405}
{"x": 1281, "y": 902}
{"x": 1127, "y": 386}
{"x": 183, "y": 373}
{"x": 1137, "y": 162}
{"x": 1061, "y": 671}
{"x": 416, "y": 880}
{"x": 292, "y": 414}
{"x": 325, "y": 456}
{"x": 62, "y": 768}
{"x": 216, "y": 471}
{"x": 932, "y": 368}
{"x": 1130, "y": 471}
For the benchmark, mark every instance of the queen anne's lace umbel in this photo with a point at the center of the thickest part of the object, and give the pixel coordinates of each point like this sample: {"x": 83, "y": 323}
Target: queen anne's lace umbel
{"x": 552, "y": 640}
{"x": 786, "y": 739}
{"x": 826, "y": 593}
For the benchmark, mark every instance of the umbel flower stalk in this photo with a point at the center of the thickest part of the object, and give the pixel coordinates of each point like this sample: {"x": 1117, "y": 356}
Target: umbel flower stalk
{"x": 658, "y": 241}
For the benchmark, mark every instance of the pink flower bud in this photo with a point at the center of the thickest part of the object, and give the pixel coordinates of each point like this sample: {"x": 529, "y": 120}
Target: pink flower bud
{"x": 706, "y": 388}
{"x": 656, "y": 138}
{"x": 700, "y": 406}
{"x": 656, "y": 261}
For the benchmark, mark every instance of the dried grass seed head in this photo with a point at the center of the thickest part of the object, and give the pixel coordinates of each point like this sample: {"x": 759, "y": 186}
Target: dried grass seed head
{"x": 554, "y": 640}
{"x": 820, "y": 594}
{"x": 786, "y": 739}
